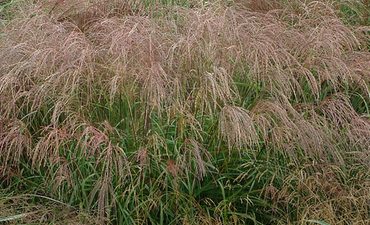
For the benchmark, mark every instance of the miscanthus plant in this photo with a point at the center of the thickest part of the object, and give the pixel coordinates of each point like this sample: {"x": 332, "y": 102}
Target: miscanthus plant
{"x": 184, "y": 112}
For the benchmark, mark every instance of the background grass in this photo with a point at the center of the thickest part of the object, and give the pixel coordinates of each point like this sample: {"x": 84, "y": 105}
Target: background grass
{"x": 184, "y": 112}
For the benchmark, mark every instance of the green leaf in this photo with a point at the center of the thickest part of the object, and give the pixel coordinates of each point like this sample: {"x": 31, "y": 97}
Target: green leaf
{"x": 318, "y": 222}
{"x": 14, "y": 217}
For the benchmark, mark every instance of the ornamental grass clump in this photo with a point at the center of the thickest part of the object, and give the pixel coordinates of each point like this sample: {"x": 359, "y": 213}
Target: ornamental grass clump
{"x": 191, "y": 112}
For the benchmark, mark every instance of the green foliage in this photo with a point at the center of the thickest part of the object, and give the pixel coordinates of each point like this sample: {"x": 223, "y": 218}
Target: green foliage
{"x": 318, "y": 222}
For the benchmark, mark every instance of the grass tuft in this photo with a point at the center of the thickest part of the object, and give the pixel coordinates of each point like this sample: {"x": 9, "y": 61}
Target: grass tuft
{"x": 184, "y": 111}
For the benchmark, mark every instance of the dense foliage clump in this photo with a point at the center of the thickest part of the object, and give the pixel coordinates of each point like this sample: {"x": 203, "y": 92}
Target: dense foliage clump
{"x": 184, "y": 112}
